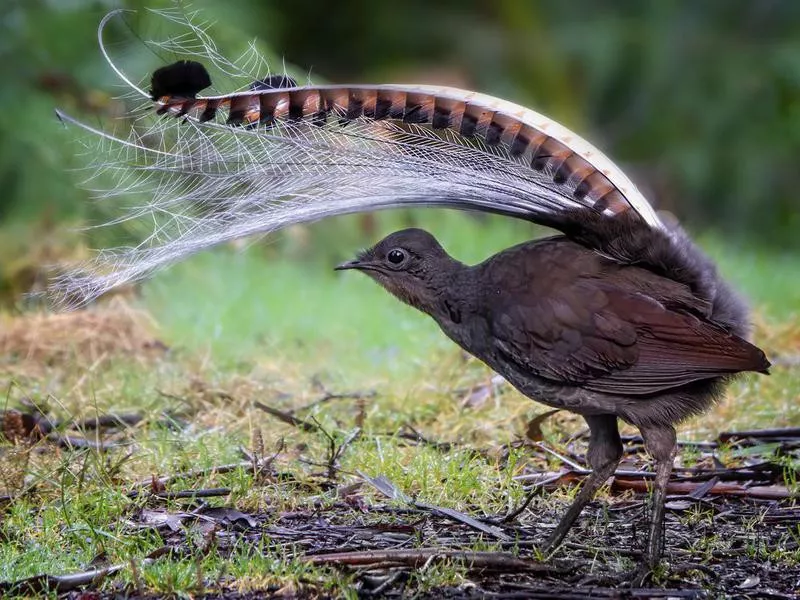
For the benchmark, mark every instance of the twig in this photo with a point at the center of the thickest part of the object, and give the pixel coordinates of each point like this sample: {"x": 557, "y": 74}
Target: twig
{"x": 192, "y": 474}
{"x": 260, "y": 465}
{"x": 582, "y": 472}
{"x": 106, "y": 421}
{"x": 388, "y": 489}
{"x": 496, "y": 561}
{"x": 531, "y": 493}
{"x": 412, "y": 437}
{"x": 72, "y": 443}
{"x": 418, "y": 437}
{"x": 594, "y": 549}
{"x": 638, "y": 439}
{"x": 575, "y": 466}
{"x": 328, "y": 397}
{"x": 336, "y": 453}
{"x": 205, "y": 493}
{"x": 785, "y": 433}
{"x": 65, "y": 583}
{"x": 286, "y": 417}
{"x": 390, "y": 581}
{"x": 771, "y": 492}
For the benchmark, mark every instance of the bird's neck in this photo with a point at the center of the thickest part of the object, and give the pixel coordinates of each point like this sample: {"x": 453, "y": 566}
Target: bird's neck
{"x": 455, "y": 303}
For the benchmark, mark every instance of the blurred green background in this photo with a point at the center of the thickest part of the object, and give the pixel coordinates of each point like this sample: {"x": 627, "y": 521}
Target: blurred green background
{"x": 698, "y": 101}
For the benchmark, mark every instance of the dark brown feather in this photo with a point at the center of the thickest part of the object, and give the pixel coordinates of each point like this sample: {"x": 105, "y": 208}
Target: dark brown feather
{"x": 613, "y": 320}
{"x": 569, "y": 315}
{"x": 179, "y": 81}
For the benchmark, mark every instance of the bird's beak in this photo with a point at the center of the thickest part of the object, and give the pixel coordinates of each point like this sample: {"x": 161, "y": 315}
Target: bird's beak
{"x": 350, "y": 264}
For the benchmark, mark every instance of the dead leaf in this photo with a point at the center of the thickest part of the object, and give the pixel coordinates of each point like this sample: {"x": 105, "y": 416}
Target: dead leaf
{"x": 229, "y": 516}
{"x": 156, "y": 519}
{"x": 534, "y": 430}
{"x": 751, "y": 582}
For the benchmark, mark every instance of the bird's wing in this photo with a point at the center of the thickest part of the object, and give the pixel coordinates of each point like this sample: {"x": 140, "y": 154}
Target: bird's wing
{"x": 217, "y": 168}
{"x": 616, "y": 342}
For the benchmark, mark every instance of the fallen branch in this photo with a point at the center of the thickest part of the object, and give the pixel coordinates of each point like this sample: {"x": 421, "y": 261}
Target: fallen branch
{"x": 204, "y": 493}
{"x": 76, "y": 443}
{"x": 101, "y": 421}
{"x": 495, "y": 561}
{"x": 773, "y": 435}
{"x": 770, "y": 492}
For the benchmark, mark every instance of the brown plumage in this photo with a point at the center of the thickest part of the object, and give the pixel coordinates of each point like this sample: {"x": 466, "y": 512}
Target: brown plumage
{"x": 650, "y": 341}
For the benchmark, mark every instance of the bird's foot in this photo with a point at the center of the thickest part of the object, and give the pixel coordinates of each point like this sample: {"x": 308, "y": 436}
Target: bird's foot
{"x": 554, "y": 539}
{"x": 648, "y": 568}
{"x": 636, "y": 577}
{"x": 641, "y": 575}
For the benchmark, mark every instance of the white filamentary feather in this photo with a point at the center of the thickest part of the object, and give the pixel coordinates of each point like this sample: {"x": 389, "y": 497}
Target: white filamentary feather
{"x": 192, "y": 185}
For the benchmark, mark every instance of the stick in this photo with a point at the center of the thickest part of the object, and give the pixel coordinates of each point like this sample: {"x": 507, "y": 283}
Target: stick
{"x": 498, "y": 561}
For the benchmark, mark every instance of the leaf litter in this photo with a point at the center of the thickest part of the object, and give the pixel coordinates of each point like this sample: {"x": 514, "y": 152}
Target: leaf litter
{"x": 381, "y": 546}
{"x": 733, "y": 524}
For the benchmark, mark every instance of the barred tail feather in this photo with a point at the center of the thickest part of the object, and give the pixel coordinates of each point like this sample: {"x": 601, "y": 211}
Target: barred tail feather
{"x": 253, "y": 162}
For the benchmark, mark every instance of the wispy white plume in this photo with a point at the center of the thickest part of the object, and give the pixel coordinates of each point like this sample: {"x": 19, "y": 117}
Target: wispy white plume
{"x": 193, "y": 185}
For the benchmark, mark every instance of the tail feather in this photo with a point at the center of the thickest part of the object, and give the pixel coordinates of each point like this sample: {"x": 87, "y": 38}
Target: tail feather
{"x": 255, "y": 161}
{"x": 581, "y": 172}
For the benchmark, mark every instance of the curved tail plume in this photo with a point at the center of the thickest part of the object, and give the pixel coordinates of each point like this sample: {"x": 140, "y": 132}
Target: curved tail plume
{"x": 255, "y": 161}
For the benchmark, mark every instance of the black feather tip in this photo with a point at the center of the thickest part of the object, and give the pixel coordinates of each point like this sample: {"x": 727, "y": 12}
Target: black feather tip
{"x": 273, "y": 82}
{"x": 183, "y": 78}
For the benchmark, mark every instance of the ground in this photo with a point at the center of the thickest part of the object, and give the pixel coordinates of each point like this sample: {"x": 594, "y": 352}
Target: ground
{"x": 229, "y": 430}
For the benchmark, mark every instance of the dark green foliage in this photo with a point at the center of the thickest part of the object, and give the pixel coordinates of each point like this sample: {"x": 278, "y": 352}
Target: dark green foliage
{"x": 699, "y": 101}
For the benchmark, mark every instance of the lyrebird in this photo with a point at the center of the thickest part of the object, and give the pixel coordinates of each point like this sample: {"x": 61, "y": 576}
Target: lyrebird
{"x": 620, "y": 316}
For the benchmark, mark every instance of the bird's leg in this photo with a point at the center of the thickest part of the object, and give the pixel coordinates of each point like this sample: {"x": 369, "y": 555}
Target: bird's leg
{"x": 605, "y": 451}
{"x": 661, "y": 443}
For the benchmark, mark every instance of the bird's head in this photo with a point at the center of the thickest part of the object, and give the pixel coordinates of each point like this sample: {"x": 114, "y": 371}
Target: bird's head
{"x": 410, "y": 264}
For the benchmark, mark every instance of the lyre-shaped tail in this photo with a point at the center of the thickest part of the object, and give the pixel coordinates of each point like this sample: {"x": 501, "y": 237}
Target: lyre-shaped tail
{"x": 256, "y": 161}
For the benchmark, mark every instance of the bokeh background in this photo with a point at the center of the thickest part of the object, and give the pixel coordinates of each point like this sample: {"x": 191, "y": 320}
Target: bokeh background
{"x": 698, "y": 101}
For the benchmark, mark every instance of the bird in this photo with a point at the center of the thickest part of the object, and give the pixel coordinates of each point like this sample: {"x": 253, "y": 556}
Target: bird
{"x": 585, "y": 331}
{"x": 617, "y": 316}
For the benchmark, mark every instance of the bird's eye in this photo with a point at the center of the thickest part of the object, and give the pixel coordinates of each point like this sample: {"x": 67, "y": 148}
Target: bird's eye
{"x": 396, "y": 256}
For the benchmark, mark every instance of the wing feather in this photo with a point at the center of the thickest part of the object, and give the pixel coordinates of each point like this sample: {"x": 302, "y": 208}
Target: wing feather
{"x": 626, "y": 343}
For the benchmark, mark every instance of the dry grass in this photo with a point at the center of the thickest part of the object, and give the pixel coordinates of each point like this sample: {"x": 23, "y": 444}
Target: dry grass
{"x": 81, "y": 338}
{"x": 780, "y": 340}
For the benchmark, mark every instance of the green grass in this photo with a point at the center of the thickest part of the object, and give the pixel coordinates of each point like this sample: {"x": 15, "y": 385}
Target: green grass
{"x": 271, "y": 324}
{"x": 292, "y": 304}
